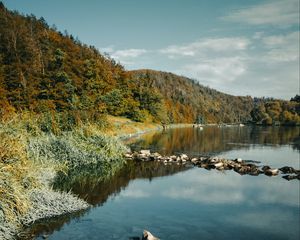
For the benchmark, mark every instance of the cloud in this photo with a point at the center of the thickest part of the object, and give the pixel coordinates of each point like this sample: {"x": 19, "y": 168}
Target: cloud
{"x": 205, "y": 45}
{"x": 282, "y": 48}
{"x": 220, "y": 196}
{"x": 128, "y": 53}
{"x": 124, "y": 56}
{"x": 108, "y": 49}
{"x": 235, "y": 65}
{"x": 280, "y": 12}
{"x": 258, "y": 35}
{"x": 229, "y": 188}
{"x": 216, "y": 70}
{"x": 282, "y": 40}
{"x": 135, "y": 193}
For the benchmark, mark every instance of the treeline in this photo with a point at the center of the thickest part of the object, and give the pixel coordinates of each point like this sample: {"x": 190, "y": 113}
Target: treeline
{"x": 53, "y": 74}
{"x": 185, "y": 100}
{"x": 276, "y": 112}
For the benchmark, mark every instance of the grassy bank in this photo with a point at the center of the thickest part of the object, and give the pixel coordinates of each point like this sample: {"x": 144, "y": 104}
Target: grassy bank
{"x": 33, "y": 156}
{"x": 40, "y": 152}
{"x": 126, "y": 128}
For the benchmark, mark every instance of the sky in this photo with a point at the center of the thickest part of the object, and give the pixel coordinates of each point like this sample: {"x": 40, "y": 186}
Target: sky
{"x": 241, "y": 47}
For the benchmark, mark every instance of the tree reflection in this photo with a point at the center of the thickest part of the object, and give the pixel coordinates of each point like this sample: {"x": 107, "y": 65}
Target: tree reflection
{"x": 90, "y": 185}
{"x": 213, "y": 140}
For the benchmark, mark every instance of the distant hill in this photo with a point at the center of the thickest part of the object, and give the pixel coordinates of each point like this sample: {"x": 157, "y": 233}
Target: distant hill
{"x": 48, "y": 72}
{"x": 187, "y": 101}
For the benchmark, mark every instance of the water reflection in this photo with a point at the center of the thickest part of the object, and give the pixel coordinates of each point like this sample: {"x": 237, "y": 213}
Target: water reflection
{"x": 189, "y": 203}
{"x": 89, "y": 185}
{"x": 195, "y": 204}
{"x": 214, "y": 140}
{"x": 93, "y": 189}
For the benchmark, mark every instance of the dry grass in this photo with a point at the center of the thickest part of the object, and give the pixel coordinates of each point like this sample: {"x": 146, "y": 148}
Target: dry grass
{"x": 16, "y": 180}
{"x": 120, "y": 126}
{"x": 31, "y": 157}
{"x": 14, "y": 176}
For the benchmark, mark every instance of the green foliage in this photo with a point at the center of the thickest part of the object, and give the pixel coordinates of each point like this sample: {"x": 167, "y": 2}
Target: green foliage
{"x": 296, "y": 99}
{"x": 275, "y": 112}
{"x": 172, "y": 99}
{"x": 114, "y": 102}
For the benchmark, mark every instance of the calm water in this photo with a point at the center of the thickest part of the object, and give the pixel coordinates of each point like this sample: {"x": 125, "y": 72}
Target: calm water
{"x": 174, "y": 202}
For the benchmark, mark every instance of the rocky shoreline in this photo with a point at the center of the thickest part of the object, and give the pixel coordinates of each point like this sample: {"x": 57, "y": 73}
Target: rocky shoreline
{"x": 238, "y": 165}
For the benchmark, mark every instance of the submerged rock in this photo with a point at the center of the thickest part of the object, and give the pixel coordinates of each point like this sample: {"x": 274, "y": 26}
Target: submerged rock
{"x": 291, "y": 177}
{"x": 269, "y": 171}
{"x": 287, "y": 169}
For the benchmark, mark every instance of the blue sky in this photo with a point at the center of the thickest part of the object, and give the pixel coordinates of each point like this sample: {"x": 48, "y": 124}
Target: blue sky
{"x": 241, "y": 47}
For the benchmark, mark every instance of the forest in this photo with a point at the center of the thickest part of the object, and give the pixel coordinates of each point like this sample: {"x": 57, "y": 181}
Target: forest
{"x": 55, "y": 75}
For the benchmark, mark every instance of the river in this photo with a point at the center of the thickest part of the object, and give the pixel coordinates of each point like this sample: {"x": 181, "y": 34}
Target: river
{"x": 177, "y": 202}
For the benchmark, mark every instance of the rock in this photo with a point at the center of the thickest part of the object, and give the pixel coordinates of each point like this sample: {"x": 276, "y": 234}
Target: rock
{"x": 145, "y": 152}
{"x": 148, "y": 236}
{"x": 214, "y": 159}
{"x": 238, "y": 165}
{"x": 270, "y": 172}
{"x": 287, "y": 169}
{"x": 265, "y": 168}
{"x": 218, "y": 165}
{"x": 143, "y": 157}
{"x": 184, "y": 157}
{"x": 291, "y": 177}
{"x": 255, "y": 172}
{"x": 128, "y": 155}
{"x": 242, "y": 170}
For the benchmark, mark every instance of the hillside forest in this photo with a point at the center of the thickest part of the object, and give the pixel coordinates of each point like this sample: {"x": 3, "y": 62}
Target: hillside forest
{"x": 55, "y": 75}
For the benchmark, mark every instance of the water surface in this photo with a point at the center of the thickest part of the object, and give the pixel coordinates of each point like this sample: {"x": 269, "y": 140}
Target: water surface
{"x": 174, "y": 202}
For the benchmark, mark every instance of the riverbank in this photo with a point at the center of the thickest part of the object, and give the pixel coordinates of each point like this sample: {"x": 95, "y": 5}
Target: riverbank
{"x": 36, "y": 152}
{"x": 31, "y": 160}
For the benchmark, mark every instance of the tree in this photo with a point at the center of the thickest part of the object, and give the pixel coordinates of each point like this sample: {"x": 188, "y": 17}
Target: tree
{"x": 296, "y": 99}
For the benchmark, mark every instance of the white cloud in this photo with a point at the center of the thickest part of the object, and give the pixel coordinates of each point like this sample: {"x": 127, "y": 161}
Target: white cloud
{"x": 108, "y": 49}
{"x": 280, "y": 12}
{"x": 198, "y": 186}
{"x": 205, "y": 45}
{"x": 282, "y": 40}
{"x": 225, "y": 189}
{"x": 258, "y": 35}
{"x": 125, "y": 56}
{"x": 217, "y": 70}
{"x": 128, "y": 53}
{"x": 282, "y": 48}
{"x": 135, "y": 193}
{"x": 220, "y": 196}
